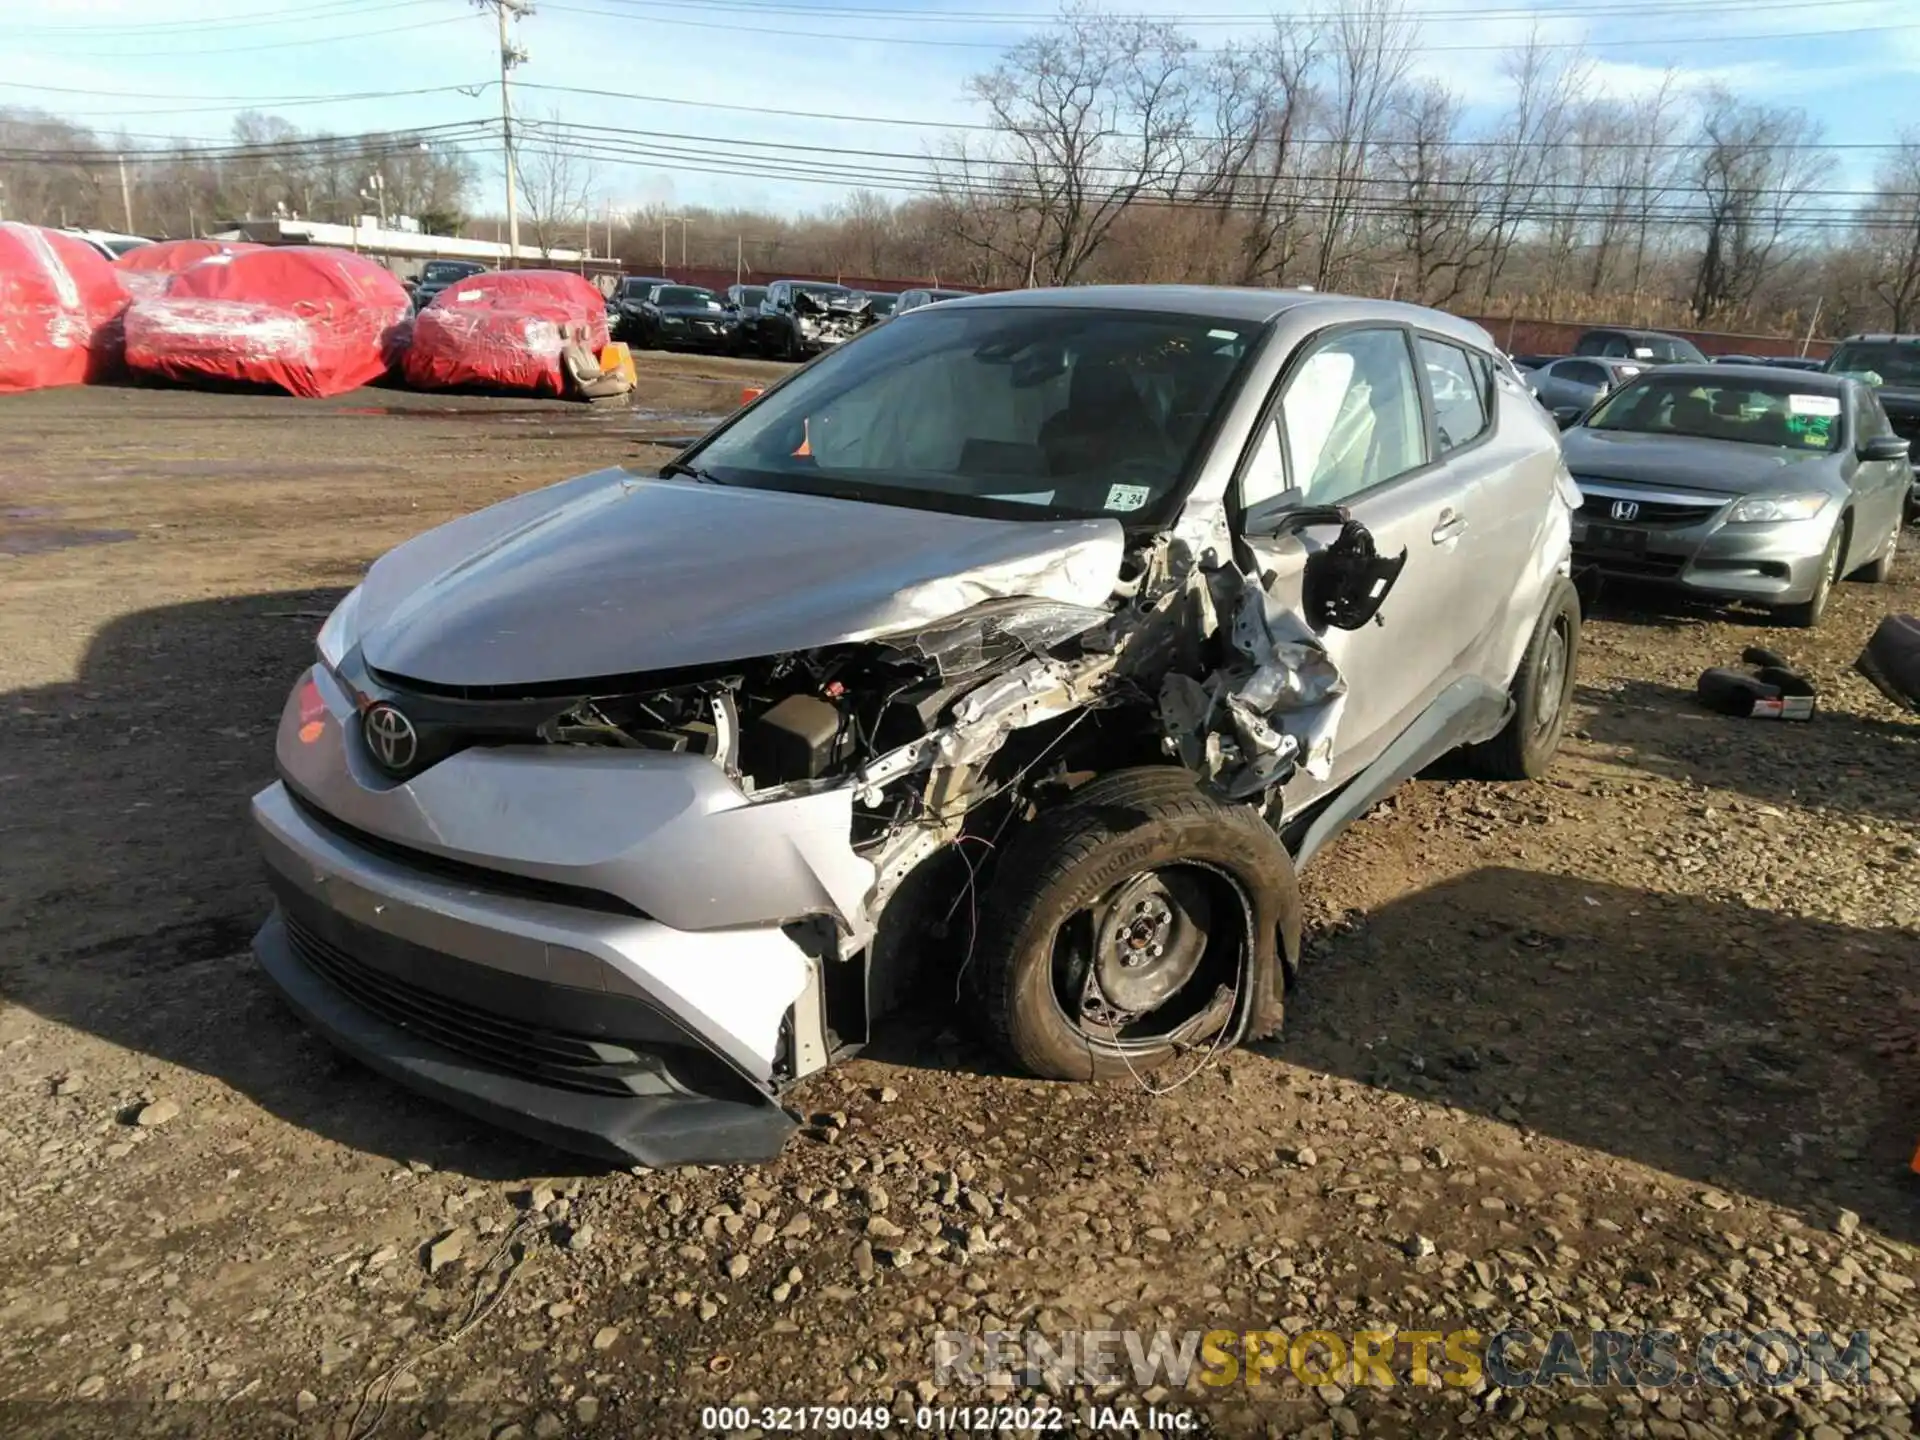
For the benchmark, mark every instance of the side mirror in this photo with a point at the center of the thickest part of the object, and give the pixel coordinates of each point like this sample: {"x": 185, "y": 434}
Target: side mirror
{"x": 1275, "y": 515}
{"x": 1885, "y": 447}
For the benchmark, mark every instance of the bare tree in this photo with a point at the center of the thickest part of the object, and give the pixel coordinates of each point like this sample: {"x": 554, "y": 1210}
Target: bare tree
{"x": 1755, "y": 168}
{"x": 1893, "y": 232}
{"x": 1533, "y": 134}
{"x": 556, "y": 184}
{"x": 1246, "y": 173}
{"x": 1088, "y": 118}
{"x": 1433, "y": 202}
{"x": 1369, "y": 49}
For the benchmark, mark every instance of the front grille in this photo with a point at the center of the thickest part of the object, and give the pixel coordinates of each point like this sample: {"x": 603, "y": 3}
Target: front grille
{"x": 552, "y": 1057}
{"x": 1649, "y": 567}
{"x": 1652, "y": 512}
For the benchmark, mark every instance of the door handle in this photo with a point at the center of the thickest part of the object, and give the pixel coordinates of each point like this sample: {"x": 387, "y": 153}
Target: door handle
{"x": 1448, "y": 527}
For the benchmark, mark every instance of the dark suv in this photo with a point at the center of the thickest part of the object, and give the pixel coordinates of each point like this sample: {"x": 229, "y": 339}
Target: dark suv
{"x": 1891, "y": 364}
{"x": 1648, "y": 346}
{"x": 437, "y": 275}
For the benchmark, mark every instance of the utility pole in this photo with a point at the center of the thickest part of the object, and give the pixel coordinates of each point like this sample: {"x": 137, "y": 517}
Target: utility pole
{"x": 609, "y": 227}
{"x": 739, "y": 259}
{"x": 681, "y": 221}
{"x": 126, "y": 195}
{"x": 510, "y": 56}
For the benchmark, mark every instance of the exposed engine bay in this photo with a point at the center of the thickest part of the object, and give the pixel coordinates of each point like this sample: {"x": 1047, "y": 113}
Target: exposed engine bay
{"x": 828, "y": 320}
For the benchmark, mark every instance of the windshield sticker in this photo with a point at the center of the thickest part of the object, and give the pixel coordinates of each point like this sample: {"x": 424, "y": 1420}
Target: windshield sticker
{"x": 1815, "y": 430}
{"x": 1127, "y": 497}
{"x": 1813, "y": 405}
{"x": 1223, "y": 334}
{"x": 467, "y": 295}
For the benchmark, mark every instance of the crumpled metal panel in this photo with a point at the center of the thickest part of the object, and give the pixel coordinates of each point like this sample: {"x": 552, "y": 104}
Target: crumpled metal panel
{"x": 670, "y": 834}
{"x": 611, "y": 574}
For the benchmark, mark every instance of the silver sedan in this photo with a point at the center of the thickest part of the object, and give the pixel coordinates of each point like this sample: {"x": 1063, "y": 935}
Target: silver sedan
{"x": 1740, "y": 482}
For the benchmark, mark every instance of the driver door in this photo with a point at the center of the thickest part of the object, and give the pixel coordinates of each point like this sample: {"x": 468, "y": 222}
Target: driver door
{"x": 1347, "y": 426}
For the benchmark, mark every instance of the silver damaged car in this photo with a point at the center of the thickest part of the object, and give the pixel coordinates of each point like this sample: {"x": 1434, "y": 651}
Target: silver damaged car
{"x": 1023, "y": 648}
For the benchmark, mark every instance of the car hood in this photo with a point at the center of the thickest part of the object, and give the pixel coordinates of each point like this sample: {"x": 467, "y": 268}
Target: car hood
{"x": 616, "y": 574}
{"x": 1721, "y": 467}
{"x": 1899, "y": 399}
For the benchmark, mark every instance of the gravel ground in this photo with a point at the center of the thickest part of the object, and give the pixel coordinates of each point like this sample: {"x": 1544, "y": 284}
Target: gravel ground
{"x": 1635, "y": 1048}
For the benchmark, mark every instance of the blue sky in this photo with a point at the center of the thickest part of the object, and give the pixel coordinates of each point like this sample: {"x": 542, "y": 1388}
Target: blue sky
{"x": 186, "y": 67}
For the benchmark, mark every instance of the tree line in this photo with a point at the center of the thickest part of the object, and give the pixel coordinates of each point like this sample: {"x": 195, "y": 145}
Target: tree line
{"x": 1114, "y": 148}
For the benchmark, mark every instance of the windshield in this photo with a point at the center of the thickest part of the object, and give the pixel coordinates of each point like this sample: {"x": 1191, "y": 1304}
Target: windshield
{"x": 1016, "y": 413}
{"x": 1895, "y": 362}
{"x": 448, "y": 270}
{"x": 883, "y": 304}
{"x": 631, "y": 289}
{"x": 1752, "y": 412}
{"x": 825, "y": 292}
{"x": 691, "y": 295}
{"x": 753, "y": 294}
{"x": 1660, "y": 349}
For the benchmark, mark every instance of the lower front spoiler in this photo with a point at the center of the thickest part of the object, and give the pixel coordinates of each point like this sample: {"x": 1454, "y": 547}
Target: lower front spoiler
{"x": 656, "y": 1130}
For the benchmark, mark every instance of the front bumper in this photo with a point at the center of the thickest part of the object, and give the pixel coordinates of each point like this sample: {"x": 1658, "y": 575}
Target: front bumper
{"x": 579, "y": 1028}
{"x": 1776, "y": 563}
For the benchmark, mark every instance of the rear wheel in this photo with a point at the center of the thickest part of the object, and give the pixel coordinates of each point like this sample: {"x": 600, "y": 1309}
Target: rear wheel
{"x": 1807, "y": 613}
{"x": 1542, "y": 692}
{"x": 1125, "y": 926}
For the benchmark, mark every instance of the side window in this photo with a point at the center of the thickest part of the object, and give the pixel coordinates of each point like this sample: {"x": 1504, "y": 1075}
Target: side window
{"x": 1351, "y": 416}
{"x": 1583, "y": 372}
{"x": 1459, "y": 400}
{"x": 1266, "y": 473}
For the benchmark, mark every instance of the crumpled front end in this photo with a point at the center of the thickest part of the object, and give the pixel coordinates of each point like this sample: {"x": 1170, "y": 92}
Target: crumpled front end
{"x": 625, "y": 913}
{"x": 609, "y": 956}
{"x": 824, "y": 323}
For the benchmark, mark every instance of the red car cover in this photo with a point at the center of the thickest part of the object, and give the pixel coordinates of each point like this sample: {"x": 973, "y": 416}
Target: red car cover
{"x": 60, "y": 301}
{"x": 505, "y": 331}
{"x": 146, "y": 270}
{"x": 309, "y": 320}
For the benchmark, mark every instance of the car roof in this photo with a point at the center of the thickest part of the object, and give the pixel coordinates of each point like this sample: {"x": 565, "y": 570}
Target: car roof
{"x": 1813, "y": 381}
{"x": 1223, "y": 302}
{"x": 1636, "y": 334}
{"x": 1884, "y": 337}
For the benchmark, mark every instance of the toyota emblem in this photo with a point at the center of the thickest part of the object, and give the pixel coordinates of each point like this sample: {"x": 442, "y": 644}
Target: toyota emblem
{"x": 1626, "y": 510}
{"x": 391, "y": 737}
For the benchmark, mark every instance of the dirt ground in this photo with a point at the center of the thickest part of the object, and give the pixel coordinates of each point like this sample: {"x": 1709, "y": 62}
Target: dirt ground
{"x": 1636, "y": 1048}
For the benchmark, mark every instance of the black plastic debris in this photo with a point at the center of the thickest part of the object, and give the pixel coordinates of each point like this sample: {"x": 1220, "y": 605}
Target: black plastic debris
{"x": 1768, "y": 689}
{"x": 1891, "y": 661}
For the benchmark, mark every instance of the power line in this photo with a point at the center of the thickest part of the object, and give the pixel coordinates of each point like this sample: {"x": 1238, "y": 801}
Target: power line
{"x": 591, "y": 133}
{"x": 906, "y": 122}
{"x": 1734, "y": 37}
{"x": 245, "y": 49}
{"x": 291, "y": 147}
{"x": 324, "y": 10}
{"x": 1581, "y": 9}
{"x": 675, "y": 158}
{"x": 227, "y": 102}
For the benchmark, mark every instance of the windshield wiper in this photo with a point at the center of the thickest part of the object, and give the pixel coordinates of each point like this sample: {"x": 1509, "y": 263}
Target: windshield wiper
{"x": 681, "y": 467}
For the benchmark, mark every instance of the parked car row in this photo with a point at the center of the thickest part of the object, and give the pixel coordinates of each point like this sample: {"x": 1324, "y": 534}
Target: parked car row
{"x": 783, "y": 320}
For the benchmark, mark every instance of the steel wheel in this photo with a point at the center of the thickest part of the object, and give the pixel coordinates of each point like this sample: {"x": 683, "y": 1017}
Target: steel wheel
{"x": 1550, "y": 678}
{"x": 1125, "y": 966}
